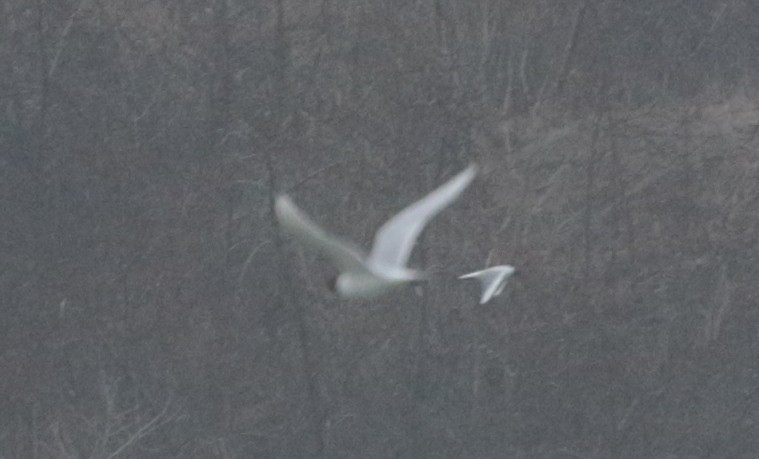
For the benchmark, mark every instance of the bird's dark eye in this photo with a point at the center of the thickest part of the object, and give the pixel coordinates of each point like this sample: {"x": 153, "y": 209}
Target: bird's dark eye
{"x": 332, "y": 284}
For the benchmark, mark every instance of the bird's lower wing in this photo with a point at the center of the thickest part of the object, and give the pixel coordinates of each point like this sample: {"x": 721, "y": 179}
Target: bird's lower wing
{"x": 346, "y": 256}
{"x": 492, "y": 281}
{"x": 492, "y": 285}
{"x": 501, "y": 285}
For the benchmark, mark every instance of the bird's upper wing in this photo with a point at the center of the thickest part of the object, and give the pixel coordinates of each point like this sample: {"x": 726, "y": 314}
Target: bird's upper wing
{"x": 345, "y": 255}
{"x": 396, "y": 238}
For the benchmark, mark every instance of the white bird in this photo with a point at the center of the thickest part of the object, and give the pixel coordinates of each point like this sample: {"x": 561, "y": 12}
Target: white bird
{"x": 493, "y": 280}
{"x": 384, "y": 269}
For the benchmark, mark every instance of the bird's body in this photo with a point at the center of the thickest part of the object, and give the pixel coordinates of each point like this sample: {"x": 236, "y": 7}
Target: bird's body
{"x": 384, "y": 269}
{"x": 371, "y": 285}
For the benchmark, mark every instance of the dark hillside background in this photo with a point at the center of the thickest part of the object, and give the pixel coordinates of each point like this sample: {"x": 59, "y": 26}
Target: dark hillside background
{"x": 150, "y": 307}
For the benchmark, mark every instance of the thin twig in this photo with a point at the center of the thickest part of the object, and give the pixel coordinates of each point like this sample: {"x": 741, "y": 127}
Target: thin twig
{"x": 62, "y": 40}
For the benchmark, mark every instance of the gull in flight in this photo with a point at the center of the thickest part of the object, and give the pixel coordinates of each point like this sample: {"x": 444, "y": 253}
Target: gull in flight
{"x": 384, "y": 269}
{"x": 492, "y": 279}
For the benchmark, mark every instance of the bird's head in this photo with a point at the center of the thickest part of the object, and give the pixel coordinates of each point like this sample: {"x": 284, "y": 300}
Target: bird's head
{"x": 332, "y": 284}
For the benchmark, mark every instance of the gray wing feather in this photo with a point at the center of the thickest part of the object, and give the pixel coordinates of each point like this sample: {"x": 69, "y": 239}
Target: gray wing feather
{"x": 345, "y": 255}
{"x": 396, "y": 238}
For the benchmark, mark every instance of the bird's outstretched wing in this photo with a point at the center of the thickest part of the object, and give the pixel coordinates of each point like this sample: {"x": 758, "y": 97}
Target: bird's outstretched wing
{"x": 492, "y": 279}
{"x": 345, "y": 255}
{"x": 396, "y": 238}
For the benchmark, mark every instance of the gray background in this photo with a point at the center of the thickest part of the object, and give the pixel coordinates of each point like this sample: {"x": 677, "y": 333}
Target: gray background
{"x": 150, "y": 308}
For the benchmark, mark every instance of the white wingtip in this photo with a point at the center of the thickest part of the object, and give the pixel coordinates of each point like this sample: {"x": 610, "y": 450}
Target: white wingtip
{"x": 287, "y": 212}
{"x": 281, "y": 203}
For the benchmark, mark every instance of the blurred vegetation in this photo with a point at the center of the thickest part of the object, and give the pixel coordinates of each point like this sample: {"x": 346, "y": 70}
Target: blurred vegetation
{"x": 149, "y": 307}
